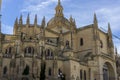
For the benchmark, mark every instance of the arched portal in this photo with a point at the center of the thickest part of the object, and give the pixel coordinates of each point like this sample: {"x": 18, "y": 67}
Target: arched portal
{"x": 26, "y": 70}
{"x": 5, "y": 70}
{"x": 108, "y": 72}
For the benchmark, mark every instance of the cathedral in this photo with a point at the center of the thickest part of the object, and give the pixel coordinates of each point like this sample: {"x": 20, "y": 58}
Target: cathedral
{"x": 57, "y": 50}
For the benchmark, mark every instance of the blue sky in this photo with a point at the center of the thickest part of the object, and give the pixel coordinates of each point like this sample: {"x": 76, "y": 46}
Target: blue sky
{"x": 81, "y": 10}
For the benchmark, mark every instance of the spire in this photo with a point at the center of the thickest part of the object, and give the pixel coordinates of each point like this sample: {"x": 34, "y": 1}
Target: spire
{"x": 59, "y": 9}
{"x": 110, "y": 36}
{"x": 74, "y": 23}
{"x": 95, "y": 21}
{"x": 43, "y": 28}
{"x": 16, "y": 21}
{"x": 95, "y": 28}
{"x": 43, "y": 22}
{"x": 109, "y": 31}
{"x": 35, "y": 20}
{"x": 20, "y": 20}
{"x": 28, "y": 19}
{"x": 71, "y": 19}
{"x": 15, "y": 26}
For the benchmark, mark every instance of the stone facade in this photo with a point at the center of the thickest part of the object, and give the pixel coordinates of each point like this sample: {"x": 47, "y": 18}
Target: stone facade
{"x": 59, "y": 49}
{"x": 118, "y": 64}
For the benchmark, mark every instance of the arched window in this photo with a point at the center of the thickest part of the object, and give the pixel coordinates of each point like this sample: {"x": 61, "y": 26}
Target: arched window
{"x": 48, "y": 52}
{"x": 29, "y": 50}
{"x": 84, "y": 75}
{"x": 30, "y": 38}
{"x": 80, "y": 74}
{"x": 25, "y": 50}
{"x": 67, "y": 43}
{"x": 81, "y": 42}
{"x": 8, "y": 50}
{"x": 51, "y": 53}
{"x": 5, "y": 70}
{"x": 49, "y": 72}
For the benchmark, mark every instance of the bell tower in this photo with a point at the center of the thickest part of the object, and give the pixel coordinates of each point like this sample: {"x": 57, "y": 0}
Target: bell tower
{"x": 59, "y": 10}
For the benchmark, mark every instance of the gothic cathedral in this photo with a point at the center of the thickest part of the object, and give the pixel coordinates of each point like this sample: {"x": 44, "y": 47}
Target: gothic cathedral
{"x": 57, "y": 50}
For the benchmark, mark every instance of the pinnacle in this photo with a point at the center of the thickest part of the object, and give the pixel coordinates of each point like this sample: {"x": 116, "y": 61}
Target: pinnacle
{"x": 20, "y": 20}
{"x": 95, "y": 18}
{"x": 28, "y": 19}
{"x": 16, "y": 21}
{"x": 35, "y": 21}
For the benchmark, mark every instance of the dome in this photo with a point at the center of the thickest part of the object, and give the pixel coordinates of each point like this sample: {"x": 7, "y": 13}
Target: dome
{"x": 58, "y": 21}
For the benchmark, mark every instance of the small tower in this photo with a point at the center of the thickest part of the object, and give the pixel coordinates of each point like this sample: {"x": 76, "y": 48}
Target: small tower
{"x": 110, "y": 36}
{"x": 35, "y": 24}
{"x": 95, "y": 28}
{"x": 59, "y": 10}
{"x": 71, "y": 19}
{"x": 28, "y": 20}
{"x": 35, "y": 20}
{"x": 16, "y": 26}
{"x": 95, "y": 21}
{"x": 43, "y": 24}
{"x": 110, "y": 41}
{"x": 74, "y": 22}
{"x": 21, "y": 20}
{"x": 28, "y": 24}
{"x": 96, "y": 36}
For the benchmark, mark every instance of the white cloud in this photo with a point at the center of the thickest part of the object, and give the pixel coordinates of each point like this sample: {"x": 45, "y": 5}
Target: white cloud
{"x": 7, "y": 29}
{"x": 39, "y": 7}
{"x": 109, "y": 15}
{"x": 33, "y": 5}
